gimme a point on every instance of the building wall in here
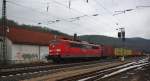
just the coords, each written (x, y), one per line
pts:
(44, 51)
(8, 55)
(28, 53)
(1, 51)
(9, 50)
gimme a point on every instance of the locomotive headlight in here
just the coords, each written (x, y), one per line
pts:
(58, 50)
(50, 50)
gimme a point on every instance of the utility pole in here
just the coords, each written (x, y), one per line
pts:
(4, 32)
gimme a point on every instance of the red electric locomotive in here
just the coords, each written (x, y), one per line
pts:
(60, 50)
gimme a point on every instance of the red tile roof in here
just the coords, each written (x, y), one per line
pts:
(25, 36)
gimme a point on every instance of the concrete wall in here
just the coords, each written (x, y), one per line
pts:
(9, 50)
(28, 53)
(8, 55)
(44, 51)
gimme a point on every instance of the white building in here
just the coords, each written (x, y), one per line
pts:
(26, 46)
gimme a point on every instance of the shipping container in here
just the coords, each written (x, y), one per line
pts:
(123, 52)
(136, 53)
(118, 51)
(128, 52)
(108, 51)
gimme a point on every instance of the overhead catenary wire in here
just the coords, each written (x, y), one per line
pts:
(33, 10)
(54, 21)
(113, 16)
(107, 10)
(118, 20)
(97, 14)
(38, 12)
(58, 20)
(29, 8)
(77, 11)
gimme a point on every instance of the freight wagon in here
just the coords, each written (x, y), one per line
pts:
(119, 52)
(136, 53)
(123, 52)
(107, 51)
(128, 52)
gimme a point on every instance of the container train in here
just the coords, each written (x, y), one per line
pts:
(60, 50)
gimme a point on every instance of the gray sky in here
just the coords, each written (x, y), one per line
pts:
(135, 22)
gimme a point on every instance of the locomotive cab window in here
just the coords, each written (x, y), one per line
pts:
(95, 47)
(85, 46)
(75, 45)
(54, 42)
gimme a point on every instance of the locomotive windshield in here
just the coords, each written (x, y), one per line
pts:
(75, 45)
(54, 42)
(95, 47)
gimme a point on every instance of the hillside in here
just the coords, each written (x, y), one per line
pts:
(133, 43)
(11, 23)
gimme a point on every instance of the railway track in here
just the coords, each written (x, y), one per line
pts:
(16, 74)
(9, 66)
(73, 71)
(5, 72)
(99, 75)
(28, 74)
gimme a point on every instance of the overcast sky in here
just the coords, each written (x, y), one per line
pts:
(80, 17)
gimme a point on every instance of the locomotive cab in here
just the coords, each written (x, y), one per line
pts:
(56, 49)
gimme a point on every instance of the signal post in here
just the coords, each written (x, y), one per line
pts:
(121, 35)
